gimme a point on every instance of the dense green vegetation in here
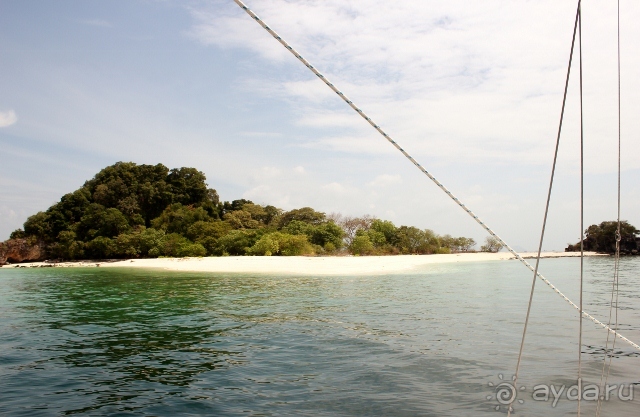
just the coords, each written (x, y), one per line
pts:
(129, 211)
(602, 238)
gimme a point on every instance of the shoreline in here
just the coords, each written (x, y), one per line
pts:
(300, 265)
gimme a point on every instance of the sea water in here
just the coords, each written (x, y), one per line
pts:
(438, 341)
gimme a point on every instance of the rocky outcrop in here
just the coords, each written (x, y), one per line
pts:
(21, 250)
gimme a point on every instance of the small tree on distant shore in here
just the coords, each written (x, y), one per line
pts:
(602, 238)
(492, 244)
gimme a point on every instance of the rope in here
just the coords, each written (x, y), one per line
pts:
(616, 269)
(424, 171)
(581, 213)
(546, 212)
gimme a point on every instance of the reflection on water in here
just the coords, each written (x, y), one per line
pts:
(131, 342)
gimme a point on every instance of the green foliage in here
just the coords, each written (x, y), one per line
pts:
(465, 244)
(236, 242)
(602, 238)
(272, 215)
(188, 186)
(208, 233)
(384, 228)
(17, 234)
(191, 249)
(177, 218)
(320, 234)
(202, 229)
(234, 205)
(100, 248)
(298, 227)
(267, 245)
(127, 245)
(100, 221)
(411, 240)
(284, 244)
(375, 237)
(128, 210)
(64, 214)
(293, 245)
(38, 225)
(492, 244)
(67, 247)
(327, 233)
(171, 244)
(304, 214)
(241, 219)
(150, 241)
(361, 245)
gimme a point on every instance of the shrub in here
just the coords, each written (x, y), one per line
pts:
(284, 244)
(266, 246)
(361, 245)
(191, 249)
(101, 248)
(236, 242)
(151, 239)
(293, 245)
(67, 247)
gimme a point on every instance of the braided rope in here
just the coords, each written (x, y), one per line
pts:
(424, 171)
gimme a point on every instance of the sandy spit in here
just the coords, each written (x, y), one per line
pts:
(299, 265)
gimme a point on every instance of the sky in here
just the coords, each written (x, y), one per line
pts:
(473, 90)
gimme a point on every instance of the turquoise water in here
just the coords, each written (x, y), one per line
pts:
(140, 342)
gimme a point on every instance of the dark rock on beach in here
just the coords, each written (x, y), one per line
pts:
(21, 250)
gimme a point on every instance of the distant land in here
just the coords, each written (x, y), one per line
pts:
(129, 211)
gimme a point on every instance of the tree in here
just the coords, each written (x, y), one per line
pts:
(304, 214)
(328, 235)
(38, 225)
(234, 205)
(241, 219)
(492, 244)
(411, 240)
(602, 238)
(384, 227)
(188, 186)
(236, 242)
(100, 221)
(351, 225)
(465, 244)
(101, 248)
(361, 245)
(177, 218)
(267, 245)
(67, 247)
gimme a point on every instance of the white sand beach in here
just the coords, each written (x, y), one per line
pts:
(300, 265)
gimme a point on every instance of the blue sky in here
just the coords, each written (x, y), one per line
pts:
(471, 89)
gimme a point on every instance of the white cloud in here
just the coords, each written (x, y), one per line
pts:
(7, 118)
(385, 180)
(268, 173)
(365, 144)
(335, 187)
(441, 77)
(299, 169)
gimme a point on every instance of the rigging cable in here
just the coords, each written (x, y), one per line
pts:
(581, 217)
(546, 212)
(424, 171)
(616, 268)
